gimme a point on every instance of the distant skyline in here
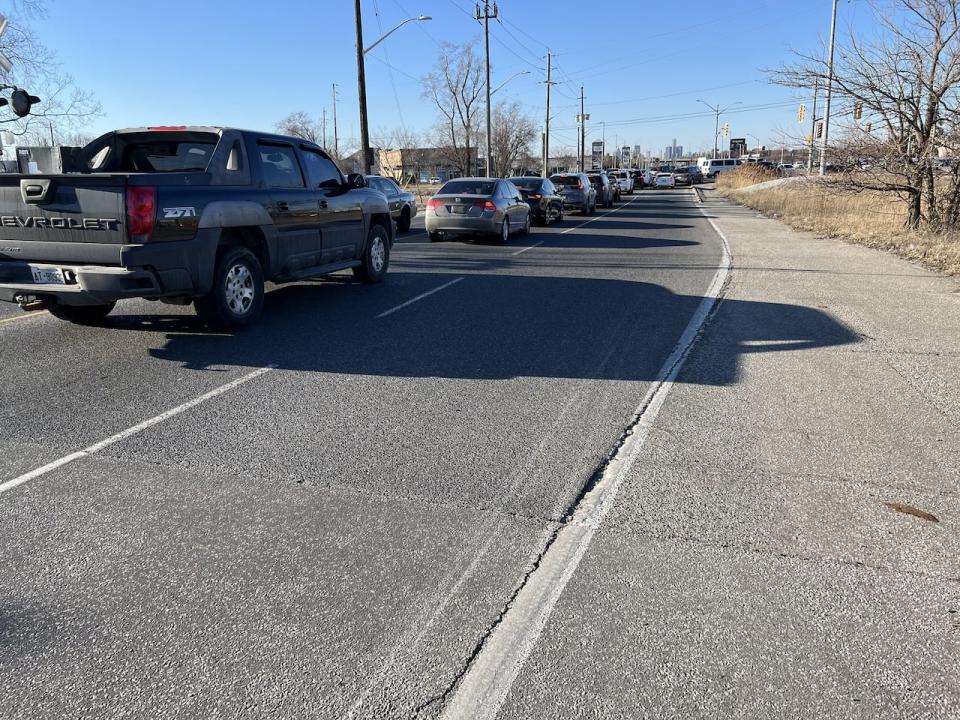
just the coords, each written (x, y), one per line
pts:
(249, 65)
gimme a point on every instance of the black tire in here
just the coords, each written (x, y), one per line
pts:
(593, 209)
(504, 235)
(560, 214)
(435, 236)
(546, 219)
(235, 300)
(403, 223)
(376, 256)
(525, 230)
(82, 314)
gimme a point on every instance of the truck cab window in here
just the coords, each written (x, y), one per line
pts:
(280, 166)
(321, 172)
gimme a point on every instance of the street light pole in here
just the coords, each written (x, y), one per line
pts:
(546, 125)
(366, 160)
(362, 90)
(826, 109)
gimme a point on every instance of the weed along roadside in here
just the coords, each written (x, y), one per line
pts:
(827, 206)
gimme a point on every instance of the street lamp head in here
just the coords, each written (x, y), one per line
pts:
(424, 17)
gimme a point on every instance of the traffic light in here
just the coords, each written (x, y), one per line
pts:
(869, 127)
(726, 129)
(809, 138)
(857, 110)
(801, 112)
(819, 129)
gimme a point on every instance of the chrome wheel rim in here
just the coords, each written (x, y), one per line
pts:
(378, 254)
(238, 289)
(505, 231)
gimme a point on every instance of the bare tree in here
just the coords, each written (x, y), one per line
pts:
(513, 133)
(897, 102)
(63, 106)
(299, 124)
(455, 85)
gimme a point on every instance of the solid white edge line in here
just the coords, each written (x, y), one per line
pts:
(419, 297)
(122, 435)
(523, 250)
(484, 687)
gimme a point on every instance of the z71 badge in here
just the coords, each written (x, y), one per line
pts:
(179, 212)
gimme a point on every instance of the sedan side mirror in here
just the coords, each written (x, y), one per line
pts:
(355, 181)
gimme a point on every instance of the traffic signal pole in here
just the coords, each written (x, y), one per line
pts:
(826, 110)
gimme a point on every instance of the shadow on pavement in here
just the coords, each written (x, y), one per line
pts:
(493, 327)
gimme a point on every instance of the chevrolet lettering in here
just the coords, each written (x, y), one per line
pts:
(59, 223)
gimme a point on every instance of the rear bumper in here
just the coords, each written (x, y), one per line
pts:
(90, 284)
(152, 270)
(452, 224)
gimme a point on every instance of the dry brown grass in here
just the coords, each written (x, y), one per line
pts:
(745, 176)
(866, 218)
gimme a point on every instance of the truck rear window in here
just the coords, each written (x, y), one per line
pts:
(161, 156)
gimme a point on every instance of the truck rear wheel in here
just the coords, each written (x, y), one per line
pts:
(81, 314)
(376, 258)
(235, 299)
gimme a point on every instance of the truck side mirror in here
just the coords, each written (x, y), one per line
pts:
(356, 180)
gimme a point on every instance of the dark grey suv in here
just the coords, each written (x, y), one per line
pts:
(577, 191)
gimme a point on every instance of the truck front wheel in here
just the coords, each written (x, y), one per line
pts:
(376, 258)
(81, 314)
(236, 298)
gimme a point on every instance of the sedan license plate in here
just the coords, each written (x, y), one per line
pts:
(459, 209)
(47, 275)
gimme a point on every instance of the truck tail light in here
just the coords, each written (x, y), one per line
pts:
(141, 211)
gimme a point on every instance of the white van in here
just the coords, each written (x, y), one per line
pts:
(710, 167)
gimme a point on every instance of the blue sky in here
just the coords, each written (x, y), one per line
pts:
(643, 64)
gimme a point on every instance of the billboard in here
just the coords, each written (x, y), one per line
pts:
(596, 158)
(738, 147)
(625, 155)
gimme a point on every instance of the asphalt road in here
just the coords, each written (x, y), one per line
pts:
(333, 536)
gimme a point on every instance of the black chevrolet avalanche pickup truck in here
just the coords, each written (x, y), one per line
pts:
(186, 214)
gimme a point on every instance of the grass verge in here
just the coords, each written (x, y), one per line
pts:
(865, 218)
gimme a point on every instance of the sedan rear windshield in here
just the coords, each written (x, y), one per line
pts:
(565, 180)
(468, 187)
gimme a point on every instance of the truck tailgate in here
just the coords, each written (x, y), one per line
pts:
(62, 218)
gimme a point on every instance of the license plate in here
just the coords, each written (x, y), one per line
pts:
(47, 275)
(459, 209)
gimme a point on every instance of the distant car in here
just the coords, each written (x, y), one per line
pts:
(615, 186)
(638, 179)
(604, 188)
(434, 180)
(682, 177)
(546, 204)
(577, 191)
(696, 176)
(623, 178)
(477, 206)
(402, 204)
(664, 180)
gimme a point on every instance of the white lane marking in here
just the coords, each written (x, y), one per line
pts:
(124, 434)
(25, 316)
(520, 252)
(419, 297)
(597, 217)
(481, 692)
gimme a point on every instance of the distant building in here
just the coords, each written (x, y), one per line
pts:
(419, 164)
(673, 152)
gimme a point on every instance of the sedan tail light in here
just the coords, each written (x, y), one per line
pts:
(434, 203)
(485, 204)
(537, 196)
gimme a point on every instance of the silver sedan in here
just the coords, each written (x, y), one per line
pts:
(477, 206)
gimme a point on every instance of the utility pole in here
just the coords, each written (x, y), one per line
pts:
(486, 17)
(336, 150)
(826, 110)
(323, 124)
(813, 124)
(546, 125)
(362, 88)
(583, 131)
